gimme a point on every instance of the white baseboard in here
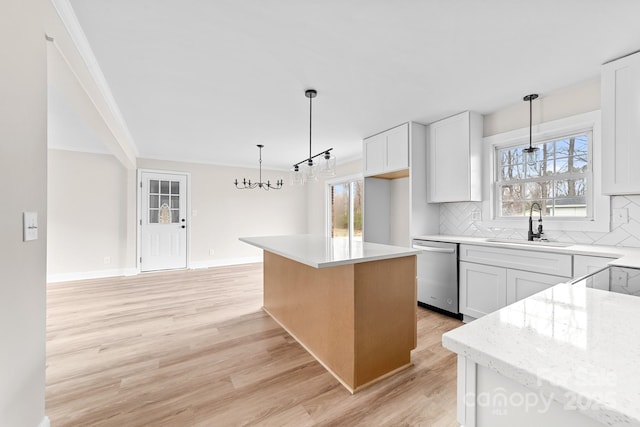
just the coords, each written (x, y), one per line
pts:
(224, 262)
(117, 272)
(97, 274)
(45, 422)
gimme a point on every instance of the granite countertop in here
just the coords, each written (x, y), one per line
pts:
(622, 256)
(322, 252)
(568, 342)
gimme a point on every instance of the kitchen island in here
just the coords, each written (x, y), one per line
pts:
(568, 356)
(352, 306)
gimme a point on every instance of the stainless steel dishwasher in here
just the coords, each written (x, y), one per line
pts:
(438, 275)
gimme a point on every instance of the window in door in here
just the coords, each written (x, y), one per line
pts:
(345, 210)
(164, 201)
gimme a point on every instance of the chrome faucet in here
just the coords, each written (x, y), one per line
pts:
(531, 235)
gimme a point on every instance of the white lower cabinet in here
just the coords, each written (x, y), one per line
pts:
(583, 264)
(490, 399)
(488, 280)
(483, 288)
(523, 284)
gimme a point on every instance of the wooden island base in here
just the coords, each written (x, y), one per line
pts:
(358, 320)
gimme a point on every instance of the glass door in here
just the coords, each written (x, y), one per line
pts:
(345, 210)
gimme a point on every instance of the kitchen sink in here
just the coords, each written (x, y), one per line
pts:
(532, 243)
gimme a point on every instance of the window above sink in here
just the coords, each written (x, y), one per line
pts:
(565, 178)
(559, 179)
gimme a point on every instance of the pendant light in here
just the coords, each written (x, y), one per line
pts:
(530, 153)
(325, 167)
(246, 184)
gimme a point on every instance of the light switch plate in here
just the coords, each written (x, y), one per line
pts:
(30, 226)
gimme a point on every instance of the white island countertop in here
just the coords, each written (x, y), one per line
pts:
(578, 345)
(322, 252)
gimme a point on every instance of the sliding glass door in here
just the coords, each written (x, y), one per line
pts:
(345, 210)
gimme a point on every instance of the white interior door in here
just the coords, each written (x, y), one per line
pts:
(163, 221)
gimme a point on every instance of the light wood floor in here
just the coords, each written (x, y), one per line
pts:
(193, 348)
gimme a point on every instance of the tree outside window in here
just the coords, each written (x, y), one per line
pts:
(346, 210)
(558, 179)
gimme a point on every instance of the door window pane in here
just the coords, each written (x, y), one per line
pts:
(154, 186)
(164, 201)
(153, 201)
(164, 216)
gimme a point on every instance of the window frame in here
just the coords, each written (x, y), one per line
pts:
(588, 175)
(599, 221)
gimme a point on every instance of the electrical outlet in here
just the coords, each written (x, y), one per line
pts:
(107, 260)
(211, 252)
(476, 215)
(621, 216)
(620, 278)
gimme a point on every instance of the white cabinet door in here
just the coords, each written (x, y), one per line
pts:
(397, 148)
(387, 151)
(518, 259)
(523, 284)
(583, 264)
(375, 149)
(454, 158)
(482, 289)
(620, 126)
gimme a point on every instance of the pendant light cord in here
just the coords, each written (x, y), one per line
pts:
(530, 119)
(260, 161)
(530, 98)
(310, 161)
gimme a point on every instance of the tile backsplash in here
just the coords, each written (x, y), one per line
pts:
(458, 219)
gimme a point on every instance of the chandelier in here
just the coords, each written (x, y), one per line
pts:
(326, 166)
(248, 185)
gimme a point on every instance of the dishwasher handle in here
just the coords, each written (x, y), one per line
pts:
(434, 249)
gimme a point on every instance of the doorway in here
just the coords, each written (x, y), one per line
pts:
(344, 209)
(162, 220)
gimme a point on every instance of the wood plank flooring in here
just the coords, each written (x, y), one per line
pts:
(194, 348)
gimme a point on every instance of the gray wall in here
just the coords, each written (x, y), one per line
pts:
(87, 213)
(23, 168)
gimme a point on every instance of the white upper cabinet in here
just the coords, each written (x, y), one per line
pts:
(454, 159)
(621, 126)
(375, 149)
(387, 151)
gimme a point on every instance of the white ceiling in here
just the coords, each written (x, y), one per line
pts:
(207, 80)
